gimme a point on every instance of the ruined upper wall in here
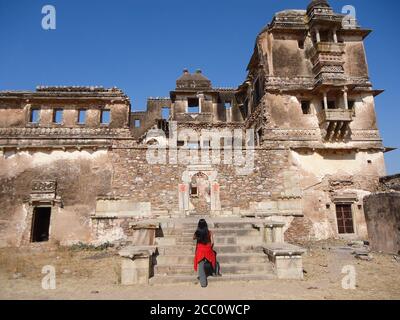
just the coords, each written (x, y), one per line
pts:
(37, 109)
(193, 102)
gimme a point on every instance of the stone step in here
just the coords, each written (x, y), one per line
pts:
(220, 225)
(189, 239)
(190, 249)
(227, 231)
(220, 240)
(160, 280)
(190, 231)
(222, 259)
(242, 268)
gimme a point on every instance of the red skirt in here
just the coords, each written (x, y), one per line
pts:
(204, 251)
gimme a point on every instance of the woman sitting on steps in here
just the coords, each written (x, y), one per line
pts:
(205, 261)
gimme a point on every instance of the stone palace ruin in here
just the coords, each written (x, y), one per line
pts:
(75, 164)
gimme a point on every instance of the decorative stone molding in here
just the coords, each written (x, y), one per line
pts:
(44, 193)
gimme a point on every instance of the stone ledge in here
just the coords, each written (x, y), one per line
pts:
(283, 249)
(132, 252)
(287, 260)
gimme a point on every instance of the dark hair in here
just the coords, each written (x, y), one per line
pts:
(202, 233)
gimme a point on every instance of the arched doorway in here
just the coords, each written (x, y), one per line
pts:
(200, 193)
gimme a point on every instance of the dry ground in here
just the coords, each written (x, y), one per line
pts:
(93, 274)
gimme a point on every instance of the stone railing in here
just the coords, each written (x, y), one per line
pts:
(330, 47)
(337, 115)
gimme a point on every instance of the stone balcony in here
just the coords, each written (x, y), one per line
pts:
(328, 62)
(337, 115)
(330, 47)
(327, 48)
(335, 123)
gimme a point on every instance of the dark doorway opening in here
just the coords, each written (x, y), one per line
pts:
(41, 224)
(344, 217)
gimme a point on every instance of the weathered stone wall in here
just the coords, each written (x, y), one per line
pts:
(135, 178)
(382, 212)
(16, 114)
(81, 176)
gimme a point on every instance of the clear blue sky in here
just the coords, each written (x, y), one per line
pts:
(142, 46)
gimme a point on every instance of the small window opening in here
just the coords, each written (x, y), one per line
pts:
(180, 143)
(82, 116)
(137, 123)
(206, 144)
(344, 218)
(165, 112)
(300, 44)
(193, 145)
(305, 107)
(325, 36)
(228, 105)
(34, 116)
(105, 117)
(58, 116)
(193, 105)
(40, 224)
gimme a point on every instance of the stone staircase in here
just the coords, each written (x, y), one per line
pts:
(237, 243)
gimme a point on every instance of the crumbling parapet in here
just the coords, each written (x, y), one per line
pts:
(136, 266)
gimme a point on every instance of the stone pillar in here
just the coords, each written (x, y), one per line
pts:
(183, 189)
(215, 199)
(268, 234)
(201, 99)
(318, 36)
(263, 234)
(345, 99)
(136, 264)
(277, 234)
(335, 38)
(325, 100)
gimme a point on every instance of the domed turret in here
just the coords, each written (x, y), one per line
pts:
(319, 4)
